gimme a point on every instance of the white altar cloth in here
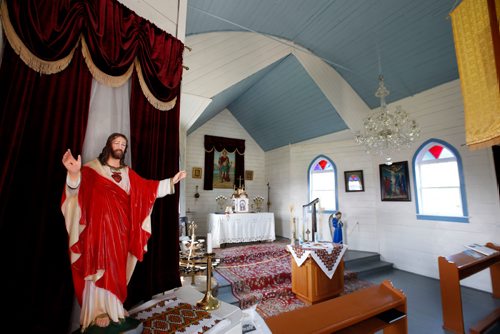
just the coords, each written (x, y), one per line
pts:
(241, 227)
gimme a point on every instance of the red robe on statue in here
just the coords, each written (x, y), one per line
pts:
(105, 226)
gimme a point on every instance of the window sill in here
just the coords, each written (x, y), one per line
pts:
(444, 218)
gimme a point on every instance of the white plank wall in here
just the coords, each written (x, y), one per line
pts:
(222, 125)
(390, 228)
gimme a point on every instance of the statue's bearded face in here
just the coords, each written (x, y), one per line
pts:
(118, 146)
(117, 154)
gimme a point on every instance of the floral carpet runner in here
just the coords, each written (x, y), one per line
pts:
(172, 315)
(261, 275)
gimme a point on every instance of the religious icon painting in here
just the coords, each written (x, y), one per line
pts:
(395, 182)
(224, 166)
(196, 173)
(249, 175)
(241, 205)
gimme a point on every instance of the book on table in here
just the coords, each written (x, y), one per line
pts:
(482, 249)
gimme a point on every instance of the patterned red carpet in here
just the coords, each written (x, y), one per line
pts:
(261, 274)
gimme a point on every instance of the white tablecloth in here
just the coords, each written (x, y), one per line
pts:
(241, 227)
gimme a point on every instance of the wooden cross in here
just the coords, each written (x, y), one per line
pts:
(240, 181)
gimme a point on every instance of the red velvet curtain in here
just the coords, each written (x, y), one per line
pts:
(154, 137)
(43, 115)
(40, 117)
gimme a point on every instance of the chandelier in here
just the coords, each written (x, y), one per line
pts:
(387, 130)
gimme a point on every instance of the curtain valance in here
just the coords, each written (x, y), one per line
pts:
(220, 143)
(114, 41)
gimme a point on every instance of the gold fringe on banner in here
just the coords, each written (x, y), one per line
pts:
(105, 79)
(474, 46)
(32, 61)
(160, 105)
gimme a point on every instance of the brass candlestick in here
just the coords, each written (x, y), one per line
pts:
(209, 302)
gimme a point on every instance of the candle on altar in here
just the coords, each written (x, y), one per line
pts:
(209, 242)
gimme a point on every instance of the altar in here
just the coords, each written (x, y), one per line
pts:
(241, 227)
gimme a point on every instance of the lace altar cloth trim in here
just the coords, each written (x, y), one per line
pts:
(326, 254)
(172, 315)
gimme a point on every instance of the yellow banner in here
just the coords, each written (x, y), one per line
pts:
(474, 32)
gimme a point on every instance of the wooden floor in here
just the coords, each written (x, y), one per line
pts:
(424, 302)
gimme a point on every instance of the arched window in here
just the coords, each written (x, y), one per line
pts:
(439, 182)
(323, 183)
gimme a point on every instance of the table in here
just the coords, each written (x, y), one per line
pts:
(241, 227)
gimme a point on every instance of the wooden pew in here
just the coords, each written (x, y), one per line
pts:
(456, 267)
(357, 312)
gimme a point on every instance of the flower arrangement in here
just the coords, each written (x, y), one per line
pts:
(258, 200)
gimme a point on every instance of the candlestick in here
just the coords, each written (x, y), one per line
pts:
(209, 242)
(209, 302)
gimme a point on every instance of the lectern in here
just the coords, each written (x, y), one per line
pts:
(459, 266)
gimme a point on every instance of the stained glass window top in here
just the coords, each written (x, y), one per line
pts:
(323, 165)
(436, 152)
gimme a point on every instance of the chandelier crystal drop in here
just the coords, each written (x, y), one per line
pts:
(387, 130)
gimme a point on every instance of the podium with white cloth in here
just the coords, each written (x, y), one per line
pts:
(317, 270)
(241, 227)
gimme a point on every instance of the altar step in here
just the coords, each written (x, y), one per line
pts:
(361, 262)
(365, 263)
(224, 291)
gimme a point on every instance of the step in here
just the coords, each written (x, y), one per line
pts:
(365, 268)
(355, 256)
(363, 262)
(225, 292)
(228, 297)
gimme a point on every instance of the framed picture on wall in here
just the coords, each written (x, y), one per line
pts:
(196, 173)
(395, 182)
(354, 181)
(249, 175)
(224, 164)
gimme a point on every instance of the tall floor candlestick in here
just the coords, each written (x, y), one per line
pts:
(209, 302)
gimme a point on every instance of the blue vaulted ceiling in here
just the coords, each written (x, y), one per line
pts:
(410, 42)
(304, 101)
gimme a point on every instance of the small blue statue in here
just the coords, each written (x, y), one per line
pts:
(337, 227)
